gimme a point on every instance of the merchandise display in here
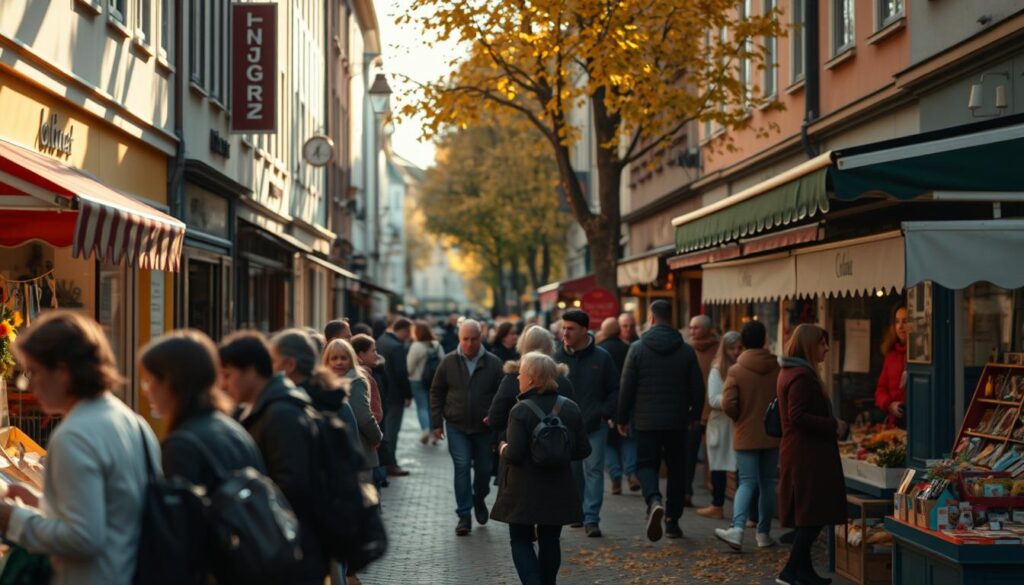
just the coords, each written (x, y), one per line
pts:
(992, 436)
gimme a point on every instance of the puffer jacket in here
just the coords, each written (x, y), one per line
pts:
(595, 382)
(750, 387)
(662, 385)
(462, 400)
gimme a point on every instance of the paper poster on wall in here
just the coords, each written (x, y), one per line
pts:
(156, 303)
(857, 336)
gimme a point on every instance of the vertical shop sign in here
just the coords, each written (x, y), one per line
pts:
(254, 67)
(156, 303)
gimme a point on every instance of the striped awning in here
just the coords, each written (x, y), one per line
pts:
(39, 197)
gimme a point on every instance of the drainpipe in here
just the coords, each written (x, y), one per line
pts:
(176, 186)
(812, 76)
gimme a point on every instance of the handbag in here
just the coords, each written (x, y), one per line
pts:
(773, 420)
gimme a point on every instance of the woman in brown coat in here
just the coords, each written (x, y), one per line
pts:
(812, 493)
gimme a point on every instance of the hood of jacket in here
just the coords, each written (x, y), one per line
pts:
(760, 361)
(794, 362)
(662, 339)
(703, 344)
(279, 387)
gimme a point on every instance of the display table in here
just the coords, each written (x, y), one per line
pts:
(924, 557)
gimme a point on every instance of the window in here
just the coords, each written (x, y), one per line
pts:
(770, 66)
(799, 37)
(888, 12)
(216, 58)
(197, 42)
(115, 8)
(744, 66)
(166, 29)
(144, 21)
(842, 26)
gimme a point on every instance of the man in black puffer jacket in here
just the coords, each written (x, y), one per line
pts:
(595, 383)
(663, 390)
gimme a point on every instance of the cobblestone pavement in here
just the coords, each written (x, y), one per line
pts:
(420, 514)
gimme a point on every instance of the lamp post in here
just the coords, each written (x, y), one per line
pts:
(379, 94)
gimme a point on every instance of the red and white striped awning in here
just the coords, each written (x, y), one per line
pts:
(44, 199)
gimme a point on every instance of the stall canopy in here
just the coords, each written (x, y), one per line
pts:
(548, 294)
(851, 267)
(957, 254)
(332, 267)
(45, 199)
(764, 279)
(641, 269)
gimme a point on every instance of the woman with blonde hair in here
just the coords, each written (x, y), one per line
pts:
(340, 358)
(721, 456)
(812, 492)
(537, 500)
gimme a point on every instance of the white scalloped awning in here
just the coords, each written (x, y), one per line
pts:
(761, 279)
(957, 254)
(851, 267)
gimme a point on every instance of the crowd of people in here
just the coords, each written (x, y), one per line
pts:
(543, 414)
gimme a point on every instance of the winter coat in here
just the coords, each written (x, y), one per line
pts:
(505, 354)
(460, 399)
(281, 428)
(450, 338)
(228, 444)
(706, 348)
(812, 491)
(416, 361)
(750, 386)
(595, 382)
(508, 393)
(721, 455)
(662, 384)
(370, 434)
(375, 399)
(890, 383)
(395, 353)
(617, 349)
(528, 494)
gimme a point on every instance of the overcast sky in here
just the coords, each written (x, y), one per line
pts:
(405, 53)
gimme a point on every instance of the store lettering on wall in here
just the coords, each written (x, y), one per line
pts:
(746, 278)
(254, 67)
(844, 264)
(52, 137)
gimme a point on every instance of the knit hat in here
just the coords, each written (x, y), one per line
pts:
(577, 316)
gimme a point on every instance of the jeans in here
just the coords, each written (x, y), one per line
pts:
(758, 470)
(693, 439)
(591, 482)
(469, 450)
(718, 481)
(392, 425)
(620, 458)
(540, 566)
(651, 448)
(421, 394)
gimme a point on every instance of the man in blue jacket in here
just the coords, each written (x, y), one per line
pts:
(595, 382)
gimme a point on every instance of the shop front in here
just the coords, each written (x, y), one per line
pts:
(579, 293)
(645, 278)
(83, 227)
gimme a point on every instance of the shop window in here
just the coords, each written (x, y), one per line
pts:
(206, 211)
(993, 323)
(114, 310)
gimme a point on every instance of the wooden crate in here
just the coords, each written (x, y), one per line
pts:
(860, 564)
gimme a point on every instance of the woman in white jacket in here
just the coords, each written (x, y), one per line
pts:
(721, 456)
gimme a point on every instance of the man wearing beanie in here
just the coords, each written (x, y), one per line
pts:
(595, 382)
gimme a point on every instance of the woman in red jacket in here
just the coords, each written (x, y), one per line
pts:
(891, 392)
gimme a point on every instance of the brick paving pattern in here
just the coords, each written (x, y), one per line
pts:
(420, 514)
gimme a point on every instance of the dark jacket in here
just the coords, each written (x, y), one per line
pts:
(662, 387)
(508, 393)
(595, 381)
(450, 338)
(812, 491)
(282, 430)
(617, 349)
(222, 439)
(528, 494)
(395, 353)
(505, 354)
(460, 399)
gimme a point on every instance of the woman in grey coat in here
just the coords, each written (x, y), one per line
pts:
(341, 358)
(537, 500)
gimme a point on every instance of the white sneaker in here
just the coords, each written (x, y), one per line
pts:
(765, 540)
(731, 536)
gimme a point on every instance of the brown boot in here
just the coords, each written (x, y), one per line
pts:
(634, 483)
(713, 512)
(617, 486)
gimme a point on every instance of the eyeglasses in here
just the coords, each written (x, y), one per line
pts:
(23, 380)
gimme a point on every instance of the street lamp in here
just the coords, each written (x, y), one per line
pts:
(379, 94)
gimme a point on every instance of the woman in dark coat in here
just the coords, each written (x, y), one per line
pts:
(812, 492)
(537, 501)
(198, 430)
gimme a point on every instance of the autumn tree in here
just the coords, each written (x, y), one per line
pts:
(493, 194)
(641, 70)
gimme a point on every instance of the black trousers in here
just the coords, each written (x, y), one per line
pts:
(536, 566)
(653, 447)
(693, 440)
(718, 481)
(799, 564)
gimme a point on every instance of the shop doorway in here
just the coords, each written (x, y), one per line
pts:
(208, 298)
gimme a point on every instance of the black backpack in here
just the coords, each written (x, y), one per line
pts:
(430, 367)
(253, 529)
(348, 516)
(172, 543)
(551, 445)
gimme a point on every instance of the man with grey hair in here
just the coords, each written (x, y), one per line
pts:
(705, 343)
(464, 386)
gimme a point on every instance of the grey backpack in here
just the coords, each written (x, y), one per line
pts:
(551, 445)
